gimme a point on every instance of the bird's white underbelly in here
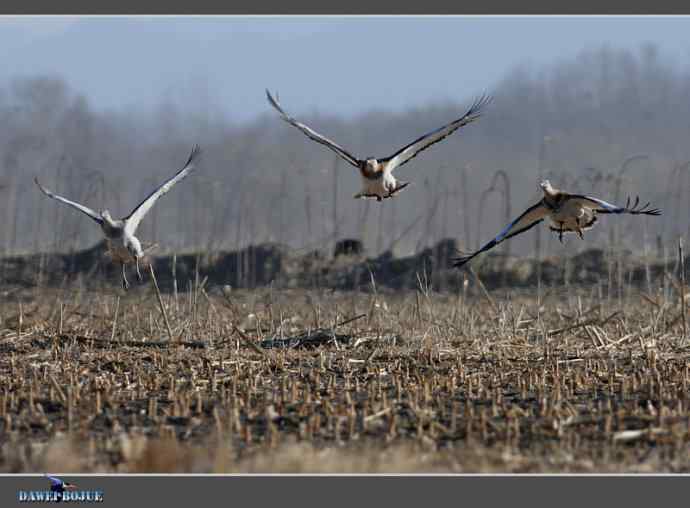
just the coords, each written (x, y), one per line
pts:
(378, 187)
(373, 187)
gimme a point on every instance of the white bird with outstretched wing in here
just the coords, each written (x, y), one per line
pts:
(377, 173)
(123, 245)
(84, 209)
(133, 219)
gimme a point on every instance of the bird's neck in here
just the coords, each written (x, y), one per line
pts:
(371, 170)
(107, 219)
(552, 198)
(111, 228)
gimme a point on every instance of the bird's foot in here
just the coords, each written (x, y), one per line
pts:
(579, 228)
(140, 277)
(398, 189)
(560, 232)
(125, 284)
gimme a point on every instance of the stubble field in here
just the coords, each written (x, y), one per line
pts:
(270, 380)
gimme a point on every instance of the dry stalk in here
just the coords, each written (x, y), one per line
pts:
(681, 262)
(160, 303)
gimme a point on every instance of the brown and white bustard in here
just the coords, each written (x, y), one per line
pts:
(377, 173)
(568, 213)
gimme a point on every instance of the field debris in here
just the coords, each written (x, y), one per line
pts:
(311, 380)
(313, 338)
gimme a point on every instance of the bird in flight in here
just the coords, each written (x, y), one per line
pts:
(377, 173)
(569, 213)
(119, 234)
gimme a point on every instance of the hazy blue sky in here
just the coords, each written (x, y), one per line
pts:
(340, 65)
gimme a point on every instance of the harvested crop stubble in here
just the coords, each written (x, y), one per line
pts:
(318, 381)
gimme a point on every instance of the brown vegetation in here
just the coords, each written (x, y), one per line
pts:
(309, 380)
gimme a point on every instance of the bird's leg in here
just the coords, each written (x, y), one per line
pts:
(378, 198)
(125, 284)
(579, 229)
(560, 233)
(397, 189)
(139, 276)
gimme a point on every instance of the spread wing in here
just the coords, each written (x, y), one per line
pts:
(410, 151)
(601, 206)
(530, 218)
(83, 209)
(134, 218)
(312, 134)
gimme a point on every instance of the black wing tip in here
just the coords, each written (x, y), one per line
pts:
(462, 260)
(459, 263)
(40, 186)
(195, 155)
(484, 99)
(477, 107)
(273, 101)
(635, 209)
(481, 102)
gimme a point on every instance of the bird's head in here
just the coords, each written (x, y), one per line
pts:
(371, 163)
(546, 187)
(105, 214)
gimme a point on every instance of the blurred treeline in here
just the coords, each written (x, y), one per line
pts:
(610, 122)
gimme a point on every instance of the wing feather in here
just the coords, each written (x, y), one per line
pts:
(601, 206)
(410, 151)
(312, 134)
(132, 221)
(83, 209)
(530, 218)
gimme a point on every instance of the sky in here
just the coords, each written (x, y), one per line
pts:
(331, 65)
